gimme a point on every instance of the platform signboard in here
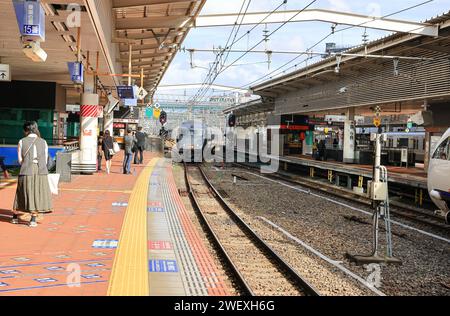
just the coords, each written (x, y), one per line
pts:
(30, 17)
(76, 72)
(5, 72)
(141, 94)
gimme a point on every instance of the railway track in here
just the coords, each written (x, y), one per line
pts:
(397, 208)
(257, 268)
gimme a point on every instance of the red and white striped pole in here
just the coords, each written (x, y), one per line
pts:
(90, 112)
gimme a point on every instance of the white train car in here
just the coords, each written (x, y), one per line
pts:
(195, 139)
(439, 176)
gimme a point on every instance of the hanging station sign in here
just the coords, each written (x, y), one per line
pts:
(30, 17)
(76, 72)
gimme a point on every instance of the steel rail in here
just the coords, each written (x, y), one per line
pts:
(301, 284)
(243, 286)
(418, 216)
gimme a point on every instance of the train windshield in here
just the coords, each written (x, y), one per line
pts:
(443, 150)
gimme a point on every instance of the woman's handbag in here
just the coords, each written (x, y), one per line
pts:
(116, 147)
(51, 164)
(111, 152)
(53, 181)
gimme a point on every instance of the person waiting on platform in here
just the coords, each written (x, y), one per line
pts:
(129, 144)
(99, 151)
(33, 193)
(322, 150)
(140, 146)
(335, 143)
(314, 148)
(108, 150)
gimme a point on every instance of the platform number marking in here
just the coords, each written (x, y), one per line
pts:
(165, 266)
(95, 265)
(120, 204)
(22, 259)
(156, 210)
(55, 269)
(91, 276)
(46, 280)
(105, 244)
(160, 245)
(9, 272)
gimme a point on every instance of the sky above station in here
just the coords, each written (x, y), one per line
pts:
(292, 37)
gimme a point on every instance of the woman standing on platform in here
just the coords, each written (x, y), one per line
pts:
(33, 193)
(108, 150)
(99, 151)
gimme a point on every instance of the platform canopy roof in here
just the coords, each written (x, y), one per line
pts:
(155, 29)
(399, 44)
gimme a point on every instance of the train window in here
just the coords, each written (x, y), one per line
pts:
(443, 151)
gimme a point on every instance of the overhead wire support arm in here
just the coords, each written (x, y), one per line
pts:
(337, 18)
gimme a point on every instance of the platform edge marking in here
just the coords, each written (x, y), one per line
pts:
(129, 275)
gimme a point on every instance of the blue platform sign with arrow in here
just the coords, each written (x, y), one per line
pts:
(5, 72)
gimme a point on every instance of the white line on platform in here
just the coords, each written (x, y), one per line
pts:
(351, 207)
(323, 257)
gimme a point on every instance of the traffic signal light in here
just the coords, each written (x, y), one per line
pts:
(232, 120)
(163, 118)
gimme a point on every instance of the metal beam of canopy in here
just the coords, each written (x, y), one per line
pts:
(118, 4)
(196, 86)
(320, 15)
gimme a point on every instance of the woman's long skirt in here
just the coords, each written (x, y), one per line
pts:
(33, 193)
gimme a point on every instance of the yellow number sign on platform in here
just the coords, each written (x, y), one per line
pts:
(377, 121)
(156, 113)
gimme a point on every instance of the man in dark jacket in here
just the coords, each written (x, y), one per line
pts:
(129, 141)
(140, 146)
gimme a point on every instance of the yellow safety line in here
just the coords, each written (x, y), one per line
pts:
(129, 275)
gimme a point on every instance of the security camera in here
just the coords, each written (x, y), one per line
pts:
(34, 51)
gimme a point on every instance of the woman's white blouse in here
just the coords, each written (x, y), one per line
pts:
(19, 151)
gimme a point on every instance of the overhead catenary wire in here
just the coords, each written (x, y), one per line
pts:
(334, 31)
(219, 55)
(201, 92)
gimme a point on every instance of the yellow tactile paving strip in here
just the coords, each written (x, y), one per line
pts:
(129, 275)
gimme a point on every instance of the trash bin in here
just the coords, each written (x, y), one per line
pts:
(64, 166)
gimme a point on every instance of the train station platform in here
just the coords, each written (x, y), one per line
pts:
(112, 235)
(412, 177)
